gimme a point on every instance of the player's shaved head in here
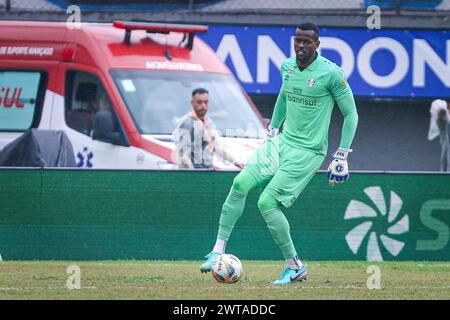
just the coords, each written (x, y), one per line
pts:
(309, 26)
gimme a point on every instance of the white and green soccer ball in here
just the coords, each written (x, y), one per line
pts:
(227, 268)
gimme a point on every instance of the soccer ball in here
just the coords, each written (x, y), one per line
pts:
(227, 268)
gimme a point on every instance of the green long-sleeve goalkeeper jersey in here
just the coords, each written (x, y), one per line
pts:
(306, 100)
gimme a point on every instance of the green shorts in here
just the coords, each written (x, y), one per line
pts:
(284, 169)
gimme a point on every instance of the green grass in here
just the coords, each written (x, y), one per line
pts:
(182, 280)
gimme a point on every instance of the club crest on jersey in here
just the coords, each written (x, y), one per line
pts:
(311, 82)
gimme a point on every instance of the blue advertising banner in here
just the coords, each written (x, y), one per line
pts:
(378, 63)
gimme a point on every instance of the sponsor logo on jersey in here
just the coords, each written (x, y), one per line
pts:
(303, 101)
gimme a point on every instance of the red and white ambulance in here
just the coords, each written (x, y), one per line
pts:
(56, 77)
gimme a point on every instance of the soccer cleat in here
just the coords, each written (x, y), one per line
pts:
(288, 276)
(207, 265)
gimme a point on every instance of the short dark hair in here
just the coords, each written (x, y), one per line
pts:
(309, 26)
(199, 90)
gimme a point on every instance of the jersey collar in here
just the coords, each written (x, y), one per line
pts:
(314, 64)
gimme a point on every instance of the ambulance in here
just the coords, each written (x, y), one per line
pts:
(57, 76)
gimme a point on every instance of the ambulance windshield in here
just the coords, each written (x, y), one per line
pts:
(157, 100)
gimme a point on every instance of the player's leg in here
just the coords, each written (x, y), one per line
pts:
(233, 207)
(277, 224)
(279, 228)
(297, 168)
(231, 211)
(258, 171)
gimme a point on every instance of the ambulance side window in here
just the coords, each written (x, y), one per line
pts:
(84, 97)
(21, 98)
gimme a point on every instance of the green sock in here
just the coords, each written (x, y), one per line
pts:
(231, 211)
(280, 230)
(234, 204)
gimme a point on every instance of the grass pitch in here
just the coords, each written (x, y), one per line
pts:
(174, 280)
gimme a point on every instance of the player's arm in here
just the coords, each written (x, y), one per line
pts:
(279, 111)
(338, 169)
(347, 106)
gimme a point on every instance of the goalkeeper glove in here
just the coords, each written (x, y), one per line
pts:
(271, 132)
(338, 168)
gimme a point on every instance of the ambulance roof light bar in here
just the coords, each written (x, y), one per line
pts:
(165, 28)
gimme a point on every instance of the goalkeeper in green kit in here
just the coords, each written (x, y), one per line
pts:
(286, 162)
